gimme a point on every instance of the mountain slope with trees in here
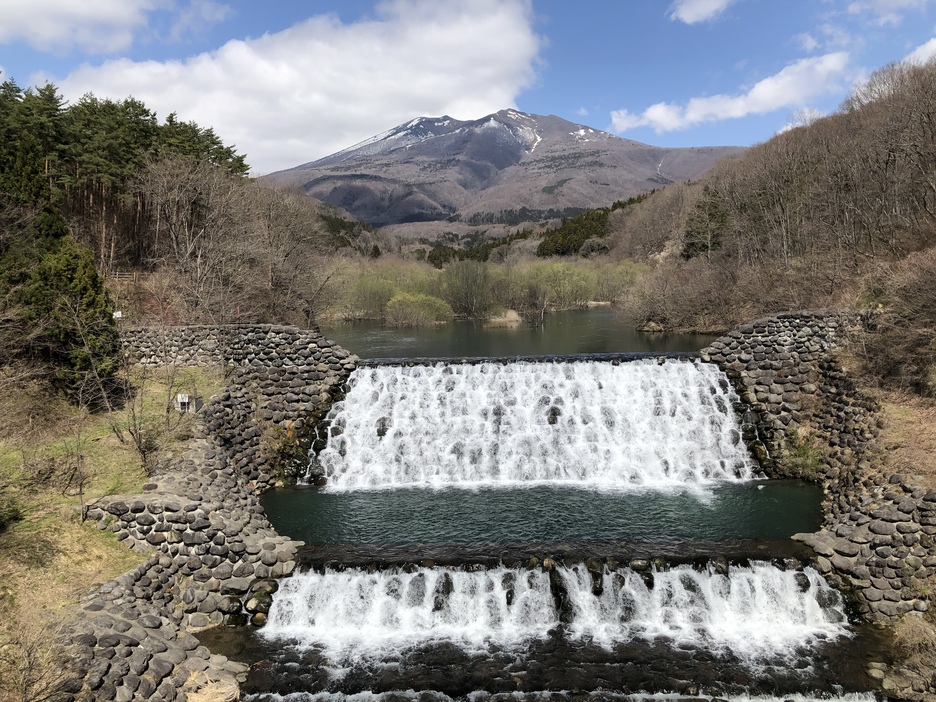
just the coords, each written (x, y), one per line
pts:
(100, 188)
(840, 211)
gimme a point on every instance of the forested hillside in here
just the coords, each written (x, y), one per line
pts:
(837, 212)
(101, 189)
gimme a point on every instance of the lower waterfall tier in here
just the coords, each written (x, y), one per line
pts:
(757, 614)
(474, 634)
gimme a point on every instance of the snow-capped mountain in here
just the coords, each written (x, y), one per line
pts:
(435, 168)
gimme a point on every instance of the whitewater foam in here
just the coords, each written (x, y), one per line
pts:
(644, 424)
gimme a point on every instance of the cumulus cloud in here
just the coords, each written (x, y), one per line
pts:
(322, 85)
(694, 11)
(922, 54)
(885, 11)
(794, 86)
(58, 26)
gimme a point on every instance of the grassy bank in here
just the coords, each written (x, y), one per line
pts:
(54, 457)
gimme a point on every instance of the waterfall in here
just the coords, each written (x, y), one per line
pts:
(650, 424)
(755, 613)
(355, 612)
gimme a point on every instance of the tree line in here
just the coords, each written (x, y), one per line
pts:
(409, 293)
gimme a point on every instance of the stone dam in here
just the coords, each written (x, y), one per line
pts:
(215, 559)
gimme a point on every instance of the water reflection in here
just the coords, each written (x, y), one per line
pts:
(596, 330)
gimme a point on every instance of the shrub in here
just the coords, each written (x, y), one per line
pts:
(369, 297)
(9, 509)
(416, 310)
(802, 457)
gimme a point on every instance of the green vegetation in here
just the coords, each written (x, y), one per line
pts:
(803, 457)
(523, 215)
(555, 187)
(416, 310)
(572, 234)
(474, 289)
(344, 233)
(472, 247)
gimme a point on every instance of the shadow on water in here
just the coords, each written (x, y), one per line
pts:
(555, 663)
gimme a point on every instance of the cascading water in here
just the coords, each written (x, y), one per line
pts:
(357, 613)
(758, 613)
(649, 424)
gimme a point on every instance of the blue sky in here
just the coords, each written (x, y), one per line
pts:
(289, 81)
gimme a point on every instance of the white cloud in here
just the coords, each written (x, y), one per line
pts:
(886, 11)
(794, 86)
(199, 15)
(57, 26)
(694, 11)
(923, 54)
(321, 85)
(807, 41)
(828, 37)
(582, 112)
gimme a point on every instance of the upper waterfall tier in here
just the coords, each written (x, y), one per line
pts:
(650, 424)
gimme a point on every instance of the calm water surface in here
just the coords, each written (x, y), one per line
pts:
(596, 330)
(760, 509)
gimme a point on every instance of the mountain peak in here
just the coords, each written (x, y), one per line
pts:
(435, 168)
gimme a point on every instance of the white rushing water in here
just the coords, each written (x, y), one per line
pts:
(644, 424)
(756, 613)
(553, 696)
(353, 613)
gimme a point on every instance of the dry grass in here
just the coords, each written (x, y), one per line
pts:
(33, 666)
(49, 558)
(916, 638)
(200, 688)
(909, 434)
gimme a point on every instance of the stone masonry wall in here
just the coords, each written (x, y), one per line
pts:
(214, 557)
(879, 532)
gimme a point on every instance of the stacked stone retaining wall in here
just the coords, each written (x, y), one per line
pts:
(809, 420)
(213, 556)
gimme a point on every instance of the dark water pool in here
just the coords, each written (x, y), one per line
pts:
(597, 330)
(753, 510)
